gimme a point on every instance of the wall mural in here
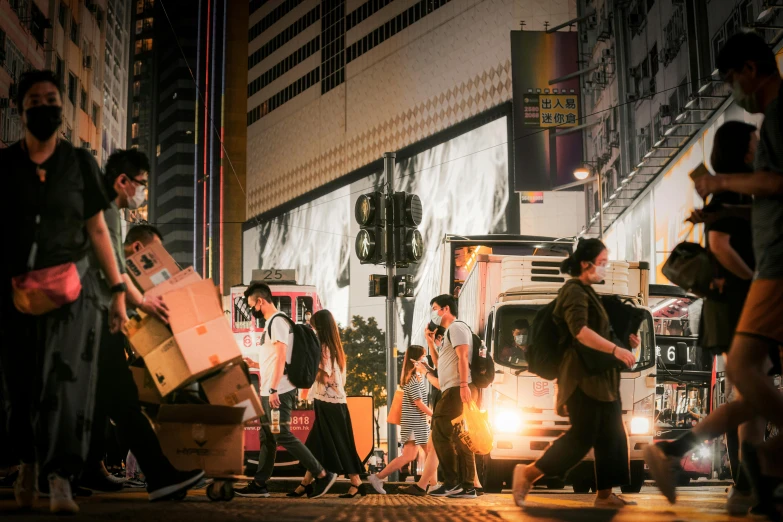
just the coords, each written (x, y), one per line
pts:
(464, 188)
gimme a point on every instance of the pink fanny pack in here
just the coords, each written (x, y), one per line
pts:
(41, 291)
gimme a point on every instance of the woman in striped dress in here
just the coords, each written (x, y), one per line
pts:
(414, 429)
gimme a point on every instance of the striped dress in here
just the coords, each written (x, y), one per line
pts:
(413, 426)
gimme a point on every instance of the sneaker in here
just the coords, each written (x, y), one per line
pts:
(135, 483)
(60, 497)
(101, 483)
(612, 501)
(180, 483)
(464, 493)
(253, 490)
(414, 490)
(479, 492)
(445, 491)
(738, 503)
(24, 486)
(76, 490)
(376, 483)
(520, 486)
(663, 469)
(323, 485)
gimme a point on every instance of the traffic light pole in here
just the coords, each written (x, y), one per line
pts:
(391, 349)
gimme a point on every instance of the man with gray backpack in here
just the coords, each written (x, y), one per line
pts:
(288, 359)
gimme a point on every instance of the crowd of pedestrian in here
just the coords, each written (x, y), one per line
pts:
(66, 299)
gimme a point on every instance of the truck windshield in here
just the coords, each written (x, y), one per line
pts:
(511, 337)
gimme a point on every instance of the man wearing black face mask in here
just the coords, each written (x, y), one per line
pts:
(49, 349)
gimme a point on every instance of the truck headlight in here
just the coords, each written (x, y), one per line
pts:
(640, 426)
(507, 421)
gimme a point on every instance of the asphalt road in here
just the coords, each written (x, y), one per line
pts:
(695, 503)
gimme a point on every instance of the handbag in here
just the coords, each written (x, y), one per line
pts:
(395, 412)
(690, 267)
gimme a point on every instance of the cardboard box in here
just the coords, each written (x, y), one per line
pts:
(148, 392)
(202, 437)
(151, 266)
(200, 340)
(180, 280)
(231, 388)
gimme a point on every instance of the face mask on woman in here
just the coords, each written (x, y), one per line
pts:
(599, 275)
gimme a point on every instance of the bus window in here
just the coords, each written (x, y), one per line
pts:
(303, 304)
(512, 334)
(243, 314)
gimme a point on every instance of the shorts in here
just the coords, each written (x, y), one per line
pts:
(761, 317)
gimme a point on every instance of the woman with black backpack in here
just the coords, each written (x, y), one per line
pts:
(588, 384)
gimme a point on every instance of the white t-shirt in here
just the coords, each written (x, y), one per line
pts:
(280, 331)
(457, 334)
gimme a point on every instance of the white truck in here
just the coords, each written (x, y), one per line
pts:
(502, 292)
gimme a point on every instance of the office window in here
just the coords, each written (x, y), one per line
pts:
(148, 24)
(654, 61)
(139, 6)
(59, 68)
(83, 104)
(62, 15)
(134, 130)
(136, 88)
(72, 88)
(95, 113)
(74, 31)
(139, 26)
(136, 109)
(143, 45)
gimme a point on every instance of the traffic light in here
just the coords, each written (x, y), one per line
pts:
(408, 242)
(370, 213)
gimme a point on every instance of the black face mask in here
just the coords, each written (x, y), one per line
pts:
(257, 313)
(44, 120)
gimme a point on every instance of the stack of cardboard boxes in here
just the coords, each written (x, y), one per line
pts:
(196, 346)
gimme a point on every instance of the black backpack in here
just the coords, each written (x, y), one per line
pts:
(482, 367)
(305, 355)
(546, 349)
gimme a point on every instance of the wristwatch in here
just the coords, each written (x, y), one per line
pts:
(119, 288)
(272, 391)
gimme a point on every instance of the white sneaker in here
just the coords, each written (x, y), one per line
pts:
(25, 489)
(60, 496)
(613, 501)
(377, 484)
(663, 469)
(738, 503)
(520, 486)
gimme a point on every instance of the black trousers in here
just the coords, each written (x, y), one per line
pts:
(456, 460)
(597, 425)
(117, 398)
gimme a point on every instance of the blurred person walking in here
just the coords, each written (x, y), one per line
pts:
(51, 319)
(748, 65)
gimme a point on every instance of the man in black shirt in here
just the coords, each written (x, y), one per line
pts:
(49, 360)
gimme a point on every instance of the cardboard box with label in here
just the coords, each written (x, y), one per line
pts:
(198, 340)
(232, 388)
(179, 280)
(151, 266)
(148, 392)
(202, 437)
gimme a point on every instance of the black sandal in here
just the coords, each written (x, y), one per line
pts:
(359, 491)
(308, 488)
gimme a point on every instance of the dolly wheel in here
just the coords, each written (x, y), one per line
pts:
(213, 492)
(227, 492)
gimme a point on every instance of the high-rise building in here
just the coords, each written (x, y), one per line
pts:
(69, 38)
(116, 61)
(184, 66)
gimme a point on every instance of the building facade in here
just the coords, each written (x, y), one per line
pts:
(69, 38)
(655, 102)
(334, 84)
